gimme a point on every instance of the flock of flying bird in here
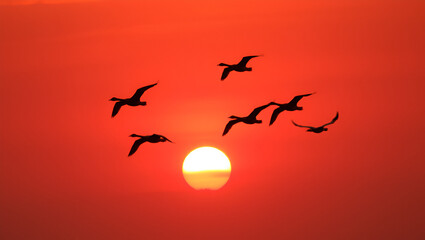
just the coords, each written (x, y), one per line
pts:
(250, 119)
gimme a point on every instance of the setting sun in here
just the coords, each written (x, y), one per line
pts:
(191, 119)
(206, 168)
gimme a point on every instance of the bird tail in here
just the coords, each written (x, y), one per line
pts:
(143, 103)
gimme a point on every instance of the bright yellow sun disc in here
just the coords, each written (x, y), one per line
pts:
(206, 168)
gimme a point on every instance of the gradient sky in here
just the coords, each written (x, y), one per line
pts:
(64, 170)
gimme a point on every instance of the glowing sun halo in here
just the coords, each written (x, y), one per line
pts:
(206, 168)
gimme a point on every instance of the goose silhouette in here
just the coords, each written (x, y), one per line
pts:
(250, 119)
(240, 67)
(291, 106)
(154, 138)
(133, 101)
(318, 129)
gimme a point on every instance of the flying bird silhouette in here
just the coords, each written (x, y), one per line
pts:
(250, 119)
(240, 67)
(318, 129)
(133, 101)
(154, 138)
(291, 106)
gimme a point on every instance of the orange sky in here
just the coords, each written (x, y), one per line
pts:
(64, 170)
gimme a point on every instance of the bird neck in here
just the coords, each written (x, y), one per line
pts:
(135, 135)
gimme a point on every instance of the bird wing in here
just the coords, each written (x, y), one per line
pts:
(141, 90)
(333, 120)
(296, 99)
(117, 107)
(257, 110)
(136, 145)
(301, 125)
(166, 139)
(226, 72)
(245, 60)
(276, 113)
(229, 125)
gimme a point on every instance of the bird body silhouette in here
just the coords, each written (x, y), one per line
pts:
(154, 138)
(318, 129)
(240, 67)
(250, 119)
(291, 106)
(133, 101)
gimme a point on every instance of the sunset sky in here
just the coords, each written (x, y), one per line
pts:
(64, 170)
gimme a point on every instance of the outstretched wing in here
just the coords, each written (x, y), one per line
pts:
(256, 111)
(229, 126)
(333, 120)
(245, 60)
(301, 125)
(166, 139)
(226, 72)
(154, 138)
(141, 90)
(276, 113)
(296, 99)
(117, 107)
(135, 146)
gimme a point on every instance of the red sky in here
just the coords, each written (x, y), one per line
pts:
(64, 170)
